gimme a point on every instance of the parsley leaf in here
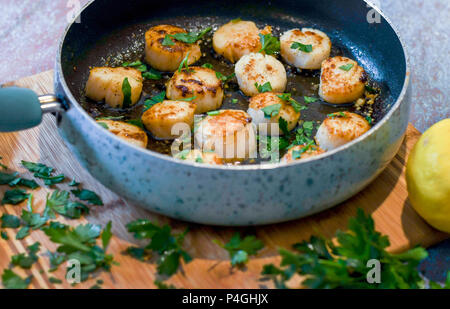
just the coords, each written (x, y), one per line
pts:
(88, 196)
(39, 169)
(347, 67)
(6, 178)
(302, 47)
(4, 235)
(163, 242)
(154, 100)
(270, 44)
(138, 65)
(271, 110)
(188, 99)
(267, 87)
(14, 197)
(106, 235)
(167, 41)
(287, 97)
(208, 66)
(184, 64)
(371, 90)
(24, 182)
(43, 172)
(310, 99)
(13, 281)
(23, 232)
(126, 90)
(240, 249)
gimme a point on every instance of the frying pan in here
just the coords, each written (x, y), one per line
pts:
(221, 195)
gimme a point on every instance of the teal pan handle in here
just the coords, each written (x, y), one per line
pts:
(22, 108)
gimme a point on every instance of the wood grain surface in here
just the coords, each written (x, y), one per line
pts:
(386, 199)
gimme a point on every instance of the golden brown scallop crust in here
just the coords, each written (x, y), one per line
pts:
(168, 58)
(346, 125)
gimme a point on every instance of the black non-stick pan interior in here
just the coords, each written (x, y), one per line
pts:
(112, 31)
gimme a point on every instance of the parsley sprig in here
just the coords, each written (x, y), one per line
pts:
(189, 38)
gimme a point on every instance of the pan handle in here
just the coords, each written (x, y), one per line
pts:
(22, 108)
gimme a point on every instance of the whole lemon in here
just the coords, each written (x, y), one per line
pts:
(428, 176)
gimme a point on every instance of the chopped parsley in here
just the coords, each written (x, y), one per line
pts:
(207, 65)
(26, 261)
(347, 67)
(343, 264)
(337, 115)
(74, 183)
(13, 281)
(88, 196)
(234, 101)
(371, 90)
(283, 124)
(10, 221)
(152, 74)
(369, 120)
(271, 110)
(6, 178)
(297, 154)
(240, 249)
(270, 44)
(287, 97)
(213, 113)
(23, 232)
(154, 100)
(126, 90)
(184, 65)
(43, 172)
(14, 197)
(80, 243)
(267, 87)
(302, 47)
(188, 99)
(310, 99)
(225, 78)
(138, 65)
(59, 202)
(4, 235)
(168, 246)
(189, 38)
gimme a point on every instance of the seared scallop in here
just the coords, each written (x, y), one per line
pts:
(108, 84)
(198, 156)
(201, 83)
(306, 48)
(268, 108)
(168, 57)
(238, 38)
(340, 128)
(342, 80)
(229, 133)
(169, 119)
(258, 69)
(126, 131)
(301, 152)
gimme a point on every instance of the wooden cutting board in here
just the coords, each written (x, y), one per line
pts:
(386, 199)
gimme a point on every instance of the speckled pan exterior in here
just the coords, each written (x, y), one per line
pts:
(238, 195)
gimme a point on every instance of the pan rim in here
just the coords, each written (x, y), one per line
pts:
(248, 167)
